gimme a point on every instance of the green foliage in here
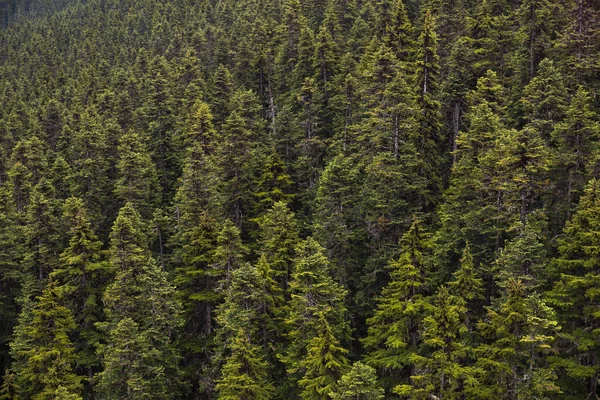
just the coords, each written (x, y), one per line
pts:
(141, 308)
(215, 137)
(359, 383)
(45, 349)
(574, 293)
(316, 319)
(393, 335)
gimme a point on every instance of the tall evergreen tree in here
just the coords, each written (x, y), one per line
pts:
(47, 354)
(574, 296)
(316, 307)
(393, 335)
(82, 275)
(141, 307)
(428, 136)
(136, 175)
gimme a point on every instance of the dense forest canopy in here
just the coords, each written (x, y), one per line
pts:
(299, 199)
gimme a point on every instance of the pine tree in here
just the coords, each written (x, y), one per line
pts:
(518, 335)
(244, 373)
(28, 163)
(47, 353)
(574, 296)
(537, 21)
(274, 184)
(141, 307)
(393, 335)
(428, 137)
(82, 275)
(12, 241)
(230, 251)
(575, 138)
(338, 224)
(324, 363)
(137, 181)
(544, 99)
(42, 231)
(91, 158)
(470, 211)
(441, 368)
(360, 383)
(316, 300)
(238, 142)
(278, 239)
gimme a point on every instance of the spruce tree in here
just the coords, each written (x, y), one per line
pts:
(359, 383)
(428, 136)
(141, 307)
(394, 329)
(324, 363)
(518, 334)
(136, 182)
(574, 296)
(244, 371)
(47, 354)
(82, 275)
(316, 306)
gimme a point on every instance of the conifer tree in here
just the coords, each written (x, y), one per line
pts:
(393, 335)
(273, 185)
(574, 296)
(338, 222)
(359, 383)
(441, 368)
(470, 210)
(137, 182)
(238, 141)
(544, 99)
(537, 22)
(47, 354)
(28, 163)
(324, 363)
(230, 251)
(244, 370)
(42, 231)
(12, 241)
(82, 275)
(575, 138)
(278, 239)
(428, 136)
(518, 333)
(316, 301)
(141, 307)
(91, 158)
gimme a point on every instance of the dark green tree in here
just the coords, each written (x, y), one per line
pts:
(574, 296)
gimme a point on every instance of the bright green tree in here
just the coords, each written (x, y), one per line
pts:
(141, 307)
(47, 354)
(316, 301)
(518, 334)
(82, 275)
(324, 363)
(359, 383)
(394, 329)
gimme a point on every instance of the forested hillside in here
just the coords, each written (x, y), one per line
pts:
(299, 199)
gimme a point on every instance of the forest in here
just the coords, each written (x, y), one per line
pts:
(299, 199)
